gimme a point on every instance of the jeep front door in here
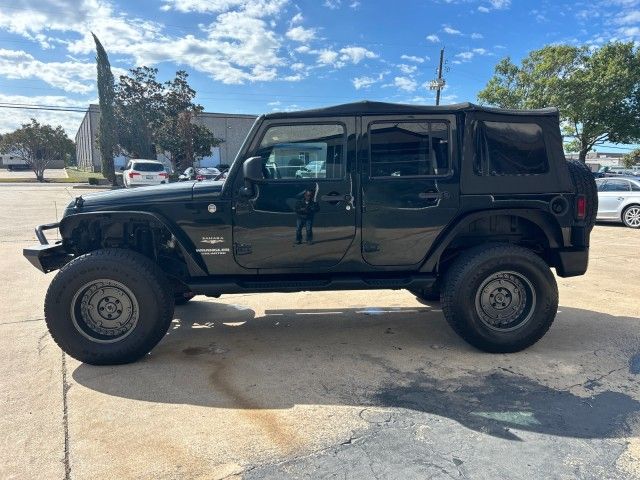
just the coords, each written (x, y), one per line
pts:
(301, 215)
(409, 186)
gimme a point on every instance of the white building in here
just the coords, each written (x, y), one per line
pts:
(231, 128)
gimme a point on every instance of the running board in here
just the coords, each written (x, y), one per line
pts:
(290, 283)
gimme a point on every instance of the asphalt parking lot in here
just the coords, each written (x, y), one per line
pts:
(323, 385)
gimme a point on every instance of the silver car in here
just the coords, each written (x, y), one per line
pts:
(619, 200)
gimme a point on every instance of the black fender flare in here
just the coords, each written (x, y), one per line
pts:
(195, 265)
(542, 219)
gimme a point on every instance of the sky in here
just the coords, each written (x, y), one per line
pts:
(258, 56)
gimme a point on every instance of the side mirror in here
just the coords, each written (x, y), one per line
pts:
(252, 171)
(122, 169)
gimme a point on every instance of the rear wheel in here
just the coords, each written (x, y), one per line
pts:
(631, 216)
(109, 307)
(500, 298)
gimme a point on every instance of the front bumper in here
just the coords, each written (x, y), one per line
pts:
(46, 257)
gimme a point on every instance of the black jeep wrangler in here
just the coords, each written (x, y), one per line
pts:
(469, 205)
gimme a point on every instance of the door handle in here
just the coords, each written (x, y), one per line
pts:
(430, 196)
(332, 198)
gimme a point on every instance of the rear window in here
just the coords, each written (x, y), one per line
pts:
(504, 148)
(148, 167)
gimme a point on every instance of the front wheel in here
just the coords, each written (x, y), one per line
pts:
(500, 298)
(631, 216)
(109, 307)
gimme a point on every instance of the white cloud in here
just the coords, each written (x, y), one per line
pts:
(500, 4)
(355, 54)
(363, 82)
(332, 4)
(412, 58)
(301, 34)
(477, 36)
(407, 69)
(72, 76)
(239, 45)
(483, 9)
(254, 8)
(297, 18)
(12, 119)
(327, 57)
(433, 38)
(355, 4)
(405, 83)
(297, 66)
(450, 30)
(271, 104)
(465, 55)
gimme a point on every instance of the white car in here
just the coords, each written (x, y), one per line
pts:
(619, 200)
(139, 172)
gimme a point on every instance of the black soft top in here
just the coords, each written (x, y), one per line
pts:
(381, 108)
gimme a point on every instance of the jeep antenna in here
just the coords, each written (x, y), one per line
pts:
(439, 83)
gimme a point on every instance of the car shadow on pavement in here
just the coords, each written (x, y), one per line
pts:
(223, 356)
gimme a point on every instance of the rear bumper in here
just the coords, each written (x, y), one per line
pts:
(45, 257)
(572, 262)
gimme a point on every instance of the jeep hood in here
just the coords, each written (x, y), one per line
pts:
(130, 198)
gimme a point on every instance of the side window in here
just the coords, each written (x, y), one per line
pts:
(408, 149)
(635, 187)
(601, 185)
(510, 149)
(303, 151)
(128, 167)
(616, 186)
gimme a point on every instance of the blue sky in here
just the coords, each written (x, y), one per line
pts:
(256, 56)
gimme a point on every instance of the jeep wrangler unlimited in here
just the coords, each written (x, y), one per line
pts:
(466, 204)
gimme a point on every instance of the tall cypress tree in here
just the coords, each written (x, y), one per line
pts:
(106, 134)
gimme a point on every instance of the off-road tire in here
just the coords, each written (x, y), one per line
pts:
(140, 276)
(585, 184)
(462, 285)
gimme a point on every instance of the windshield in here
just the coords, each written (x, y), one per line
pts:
(148, 167)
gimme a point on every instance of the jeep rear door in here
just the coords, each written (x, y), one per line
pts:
(298, 155)
(409, 186)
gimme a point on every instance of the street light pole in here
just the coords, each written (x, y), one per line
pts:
(439, 83)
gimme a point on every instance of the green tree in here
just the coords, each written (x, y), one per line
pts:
(178, 135)
(632, 158)
(106, 95)
(596, 90)
(138, 112)
(38, 145)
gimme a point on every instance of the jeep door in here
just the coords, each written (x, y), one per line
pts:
(409, 186)
(298, 155)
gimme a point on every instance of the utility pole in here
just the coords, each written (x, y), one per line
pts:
(439, 83)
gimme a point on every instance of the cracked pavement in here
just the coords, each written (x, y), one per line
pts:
(323, 385)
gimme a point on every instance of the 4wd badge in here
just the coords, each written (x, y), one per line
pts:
(212, 208)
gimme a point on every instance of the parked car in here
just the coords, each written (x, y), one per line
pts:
(619, 200)
(315, 169)
(139, 172)
(470, 205)
(204, 173)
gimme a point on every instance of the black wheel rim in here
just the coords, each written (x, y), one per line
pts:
(505, 301)
(104, 311)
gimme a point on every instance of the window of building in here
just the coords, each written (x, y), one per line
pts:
(408, 149)
(314, 151)
(504, 148)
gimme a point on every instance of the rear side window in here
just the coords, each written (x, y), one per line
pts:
(615, 186)
(409, 149)
(148, 167)
(504, 148)
(635, 187)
